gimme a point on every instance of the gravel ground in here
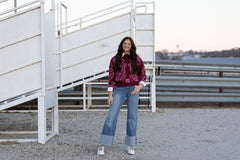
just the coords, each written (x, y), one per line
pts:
(168, 134)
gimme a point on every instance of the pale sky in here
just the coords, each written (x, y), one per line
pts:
(193, 24)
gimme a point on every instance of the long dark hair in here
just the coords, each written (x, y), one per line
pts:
(133, 56)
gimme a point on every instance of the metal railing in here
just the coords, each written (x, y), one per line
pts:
(87, 95)
(194, 66)
(96, 17)
(125, 8)
(145, 7)
(63, 28)
(32, 12)
(187, 87)
(7, 13)
(60, 34)
(178, 81)
(3, 1)
(60, 23)
(19, 98)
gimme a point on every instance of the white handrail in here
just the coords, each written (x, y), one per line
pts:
(105, 14)
(144, 5)
(147, 83)
(99, 14)
(1, 1)
(148, 2)
(22, 6)
(80, 20)
(106, 9)
(88, 15)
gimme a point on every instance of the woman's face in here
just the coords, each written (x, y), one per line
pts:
(126, 46)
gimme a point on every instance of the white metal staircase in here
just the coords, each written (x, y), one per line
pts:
(91, 46)
(27, 68)
(36, 64)
(102, 32)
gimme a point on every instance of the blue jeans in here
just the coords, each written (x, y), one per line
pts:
(119, 96)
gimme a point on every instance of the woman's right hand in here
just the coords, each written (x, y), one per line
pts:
(110, 98)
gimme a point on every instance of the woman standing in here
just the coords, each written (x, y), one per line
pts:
(126, 78)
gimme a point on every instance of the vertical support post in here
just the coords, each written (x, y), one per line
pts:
(132, 20)
(80, 23)
(52, 114)
(220, 89)
(220, 75)
(153, 92)
(15, 6)
(89, 94)
(53, 6)
(60, 47)
(159, 71)
(58, 32)
(55, 117)
(77, 88)
(154, 55)
(54, 110)
(154, 74)
(66, 25)
(84, 96)
(149, 94)
(41, 120)
(41, 99)
(42, 49)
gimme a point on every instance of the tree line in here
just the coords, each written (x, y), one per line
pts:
(165, 54)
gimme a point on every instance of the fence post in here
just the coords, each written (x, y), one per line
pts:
(84, 96)
(89, 95)
(220, 89)
(153, 92)
(41, 120)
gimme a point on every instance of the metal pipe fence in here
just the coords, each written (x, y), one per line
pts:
(174, 86)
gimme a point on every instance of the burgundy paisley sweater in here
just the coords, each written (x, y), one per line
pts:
(125, 77)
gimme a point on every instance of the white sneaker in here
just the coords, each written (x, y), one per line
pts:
(100, 151)
(130, 150)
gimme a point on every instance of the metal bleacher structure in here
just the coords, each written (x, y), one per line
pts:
(39, 58)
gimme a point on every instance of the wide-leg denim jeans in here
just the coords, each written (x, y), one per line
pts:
(119, 95)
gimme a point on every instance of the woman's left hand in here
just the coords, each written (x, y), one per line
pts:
(136, 90)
